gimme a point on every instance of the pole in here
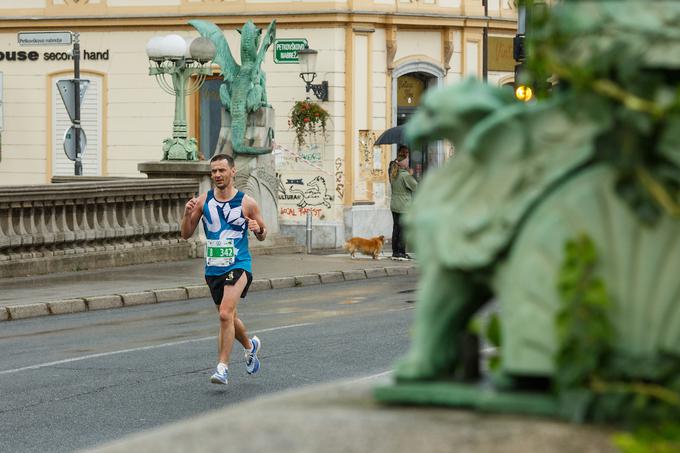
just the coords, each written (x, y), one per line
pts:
(485, 42)
(76, 85)
(522, 20)
(308, 231)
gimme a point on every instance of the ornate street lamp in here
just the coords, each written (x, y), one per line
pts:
(307, 59)
(173, 61)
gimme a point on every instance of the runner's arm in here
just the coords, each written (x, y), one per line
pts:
(192, 214)
(254, 217)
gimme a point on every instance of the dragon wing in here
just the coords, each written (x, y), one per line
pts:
(266, 42)
(223, 57)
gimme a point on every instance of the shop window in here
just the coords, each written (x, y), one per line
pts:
(409, 91)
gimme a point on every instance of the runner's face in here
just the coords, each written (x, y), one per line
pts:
(221, 173)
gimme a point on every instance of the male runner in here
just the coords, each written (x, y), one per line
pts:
(226, 213)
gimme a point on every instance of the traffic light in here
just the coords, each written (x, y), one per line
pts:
(518, 47)
(523, 92)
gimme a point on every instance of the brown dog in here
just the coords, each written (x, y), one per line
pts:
(372, 246)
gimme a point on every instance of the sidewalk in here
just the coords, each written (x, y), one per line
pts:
(72, 292)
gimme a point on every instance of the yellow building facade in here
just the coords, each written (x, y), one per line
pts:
(379, 57)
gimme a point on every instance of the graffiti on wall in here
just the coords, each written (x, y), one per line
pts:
(305, 183)
(299, 195)
(371, 157)
(340, 178)
(307, 157)
(311, 154)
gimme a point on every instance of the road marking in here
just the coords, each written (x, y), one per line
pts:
(373, 376)
(143, 348)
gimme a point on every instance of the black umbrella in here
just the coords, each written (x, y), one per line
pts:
(391, 136)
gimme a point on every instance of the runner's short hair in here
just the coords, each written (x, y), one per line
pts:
(226, 157)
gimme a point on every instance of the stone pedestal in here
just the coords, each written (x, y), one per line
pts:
(198, 170)
(256, 176)
(259, 130)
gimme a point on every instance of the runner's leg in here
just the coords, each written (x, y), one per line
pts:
(230, 299)
(241, 333)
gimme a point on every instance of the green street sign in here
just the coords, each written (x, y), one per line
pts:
(285, 50)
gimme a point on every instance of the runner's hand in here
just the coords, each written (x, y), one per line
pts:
(190, 206)
(253, 225)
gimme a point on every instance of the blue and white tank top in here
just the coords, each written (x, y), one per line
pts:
(226, 232)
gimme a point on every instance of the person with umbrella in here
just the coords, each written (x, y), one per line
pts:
(403, 185)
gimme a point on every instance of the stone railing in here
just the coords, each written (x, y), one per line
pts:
(84, 225)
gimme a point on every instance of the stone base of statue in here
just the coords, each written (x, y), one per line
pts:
(259, 130)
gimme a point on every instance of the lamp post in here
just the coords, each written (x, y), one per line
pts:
(307, 59)
(173, 61)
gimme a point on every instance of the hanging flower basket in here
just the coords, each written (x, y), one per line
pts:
(307, 118)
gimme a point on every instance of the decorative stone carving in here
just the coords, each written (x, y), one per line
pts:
(448, 36)
(391, 46)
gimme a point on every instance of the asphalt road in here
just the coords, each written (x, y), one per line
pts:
(76, 381)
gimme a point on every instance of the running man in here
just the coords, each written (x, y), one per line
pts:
(227, 215)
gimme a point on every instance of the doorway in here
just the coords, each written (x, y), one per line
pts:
(410, 88)
(410, 82)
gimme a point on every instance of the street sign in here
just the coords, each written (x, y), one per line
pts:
(67, 90)
(285, 50)
(44, 38)
(70, 143)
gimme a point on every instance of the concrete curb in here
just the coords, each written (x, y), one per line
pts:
(76, 305)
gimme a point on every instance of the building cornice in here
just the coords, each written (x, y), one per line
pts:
(320, 18)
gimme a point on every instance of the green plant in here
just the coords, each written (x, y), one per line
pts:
(650, 439)
(307, 118)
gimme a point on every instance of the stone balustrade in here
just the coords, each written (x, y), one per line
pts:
(84, 225)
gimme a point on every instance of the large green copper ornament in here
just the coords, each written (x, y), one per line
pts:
(599, 159)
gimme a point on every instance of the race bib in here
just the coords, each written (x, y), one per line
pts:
(219, 252)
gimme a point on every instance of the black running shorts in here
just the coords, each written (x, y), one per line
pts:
(216, 283)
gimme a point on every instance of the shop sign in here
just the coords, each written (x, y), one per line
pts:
(22, 55)
(285, 50)
(500, 54)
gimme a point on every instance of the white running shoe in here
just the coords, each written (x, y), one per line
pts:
(252, 362)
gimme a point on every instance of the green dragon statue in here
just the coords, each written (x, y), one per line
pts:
(243, 90)
(599, 157)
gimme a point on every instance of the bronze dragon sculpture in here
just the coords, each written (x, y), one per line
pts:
(243, 89)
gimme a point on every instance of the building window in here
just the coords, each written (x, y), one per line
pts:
(210, 116)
